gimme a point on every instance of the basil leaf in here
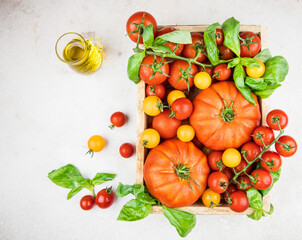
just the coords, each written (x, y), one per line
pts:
(271, 210)
(159, 42)
(100, 178)
(255, 83)
(234, 62)
(65, 176)
(184, 222)
(148, 35)
(210, 43)
(138, 190)
(74, 191)
(275, 176)
(134, 210)
(257, 214)
(162, 49)
(276, 70)
(239, 76)
(183, 37)
(264, 55)
(250, 62)
(134, 64)
(230, 30)
(267, 91)
(255, 198)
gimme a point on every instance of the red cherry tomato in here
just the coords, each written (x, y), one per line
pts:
(264, 179)
(232, 188)
(189, 50)
(274, 116)
(241, 166)
(286, 146)
(218, 182)
(271, 161)
(171, 45)
(126, 150)
(229, 173)
(156, 90)
(250, 46)
(265, 133)
(222, 72)
(238, 201)
(136, 18)
(246, 183)
(251, 150)
(219, 37)
(215, 161)
(117, 119)
(182, 108)
(87, 202)
(105, 198)
(225, 52)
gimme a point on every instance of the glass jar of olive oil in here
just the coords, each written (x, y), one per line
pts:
(83, 56)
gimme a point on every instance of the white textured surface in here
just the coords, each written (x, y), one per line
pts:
(48, 112)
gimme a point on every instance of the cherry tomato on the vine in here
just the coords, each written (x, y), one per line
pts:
(182, 108)
(104, 198)
(286, 146)
(238, 201)
(241, 166)
(245, 183)
(117, 119)
(96, 143)
(274, 116)
(222, 72)
(87, 202)
(126, 150)
(176, 48)
(156, 90)
(190, 50)
(263, 179)
(271, 161)
(215, 161)
(250, 150)
(225, 52)
(231, 188)
(218, 182)
(250, 44)
(265, 133)
(229, 173)
(219, 37)
(210, 199)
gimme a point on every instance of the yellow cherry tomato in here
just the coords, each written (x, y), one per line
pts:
(96, 143)
(202, 80)
(150, 138)
(256, 72)
(173, 95)
(210, 199)
(152, 105)
(185, 133)
(231, 157)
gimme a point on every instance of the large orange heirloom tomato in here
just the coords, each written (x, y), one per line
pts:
(223, 118)
(176, 173)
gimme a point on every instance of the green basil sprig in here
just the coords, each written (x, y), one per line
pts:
(148, 35)
(134, 64)
(230, 30)
(210, 43)
(264, 55)
(249, 62)
(256, 202)
(182, 36)
(70, 177)
(276, 70)
(255, 83)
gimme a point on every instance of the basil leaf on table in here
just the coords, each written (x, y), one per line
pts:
(276, 70)
(271, 209)
(230, 30)
(74, 191)
(138, 190)
(134, 64)
(184, 222)
(100, 178)
(234, 62)
(239, 76)
(275, 176)
(134, 210)
(161, 49)
(210, 43)
(255, 83)
(249, 62)
(148, 35)
(255, 198)
(181, 36)
(264, 55)
(257, 214)
(267, 91)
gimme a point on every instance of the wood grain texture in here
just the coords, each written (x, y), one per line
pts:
(198, 207)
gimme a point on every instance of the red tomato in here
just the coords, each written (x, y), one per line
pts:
(219, 37)
(274, 116)
(265, 133)
(182, 108)
(166, 126)
(117, 119)
(185, 82)
(251, 150)
(232, 188)
(222, 72)
(225, 52)
(238, 201)
(172, 46)
(189, 50)
(136, 18)
(215, 161)
(105, 198)
(250, 46)
(286, 146)
(229, 173)
(218, 182)
(209, 70)
(156, 90)
(271, 161)
(145, 72)
(87, 202)
(241, 166)
(126, 150)
(264, 179)
(246, 183)
(197, 143)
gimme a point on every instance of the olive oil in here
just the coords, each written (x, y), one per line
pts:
(84, 56)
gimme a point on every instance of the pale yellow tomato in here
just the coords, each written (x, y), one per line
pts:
(152, 105)
(210, 199)
(150, 138)
(231, 157)
(256, 72)
(185, 133)
(173, 95)
(202, 80)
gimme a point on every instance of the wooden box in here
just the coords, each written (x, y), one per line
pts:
(143, 119)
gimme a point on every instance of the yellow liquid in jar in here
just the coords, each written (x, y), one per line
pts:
(83, 60)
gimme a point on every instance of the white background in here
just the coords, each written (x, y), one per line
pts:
(48, 112)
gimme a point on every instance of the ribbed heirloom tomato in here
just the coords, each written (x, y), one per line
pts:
(223, 118)
(176, 173)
